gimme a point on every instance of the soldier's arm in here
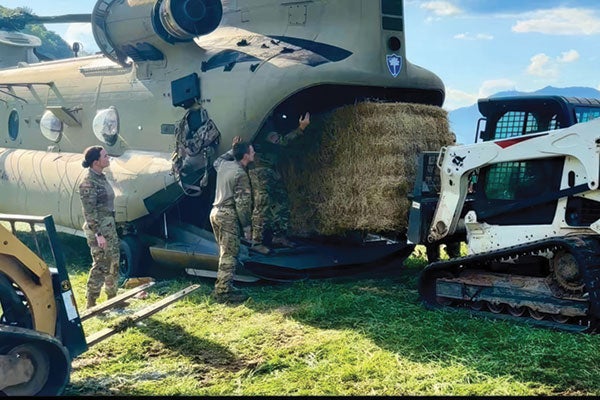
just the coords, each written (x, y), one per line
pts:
(242, 194)
(227, 156)
(89, 201)
(303, 122)
(286, 139)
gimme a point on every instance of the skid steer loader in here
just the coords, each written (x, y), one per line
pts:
(41, 328)
(527, 202)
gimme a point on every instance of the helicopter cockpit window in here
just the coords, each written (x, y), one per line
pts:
(13, 125)
(106, 125)
(51, 126)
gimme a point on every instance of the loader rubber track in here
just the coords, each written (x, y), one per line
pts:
(584, 248)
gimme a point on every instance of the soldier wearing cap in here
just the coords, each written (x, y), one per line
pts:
(230, 216)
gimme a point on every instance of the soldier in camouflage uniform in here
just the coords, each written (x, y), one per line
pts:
(230, 216)
(97, 200)
(271, 213)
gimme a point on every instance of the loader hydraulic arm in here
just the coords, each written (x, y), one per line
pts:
(456, 163)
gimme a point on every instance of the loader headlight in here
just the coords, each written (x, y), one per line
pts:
(106, 125)
(51, 127)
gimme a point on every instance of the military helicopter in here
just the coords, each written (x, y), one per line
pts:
(176, 80)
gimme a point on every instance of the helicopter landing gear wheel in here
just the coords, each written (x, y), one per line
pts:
(131, 258)
(477, 305)
(41, 370)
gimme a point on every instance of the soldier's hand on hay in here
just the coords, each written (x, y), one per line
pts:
(304, 121)
(236, 140)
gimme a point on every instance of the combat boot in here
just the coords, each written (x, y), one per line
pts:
(229, 297)
(282, 241)
(260, 248)
(90, 302)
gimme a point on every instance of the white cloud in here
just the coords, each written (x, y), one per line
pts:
(493, 86)
(542, 66)
(560, 21)
(441, 8)
(457, 99)
(569, 56)
(468, 36)
(82, 33)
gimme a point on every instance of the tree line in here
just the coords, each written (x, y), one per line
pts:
(53, 46)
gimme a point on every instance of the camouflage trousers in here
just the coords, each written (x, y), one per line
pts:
(226, 227)
(105, 262)
(271, 212)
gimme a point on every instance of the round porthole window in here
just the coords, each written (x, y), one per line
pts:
(13, 125)
(51, 127)
(106, 125)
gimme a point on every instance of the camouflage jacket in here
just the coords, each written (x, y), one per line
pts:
(267, 153)
(233, 188)
(97, 199)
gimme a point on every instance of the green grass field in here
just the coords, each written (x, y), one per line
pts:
(324, 337)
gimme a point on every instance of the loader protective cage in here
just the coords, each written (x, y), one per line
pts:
(507, 117)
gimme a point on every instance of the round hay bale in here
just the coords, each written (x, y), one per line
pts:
(354, 167)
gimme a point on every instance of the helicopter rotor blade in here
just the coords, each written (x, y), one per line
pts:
(67, 18)
(18, 21)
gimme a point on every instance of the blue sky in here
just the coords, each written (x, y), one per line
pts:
(477, 47)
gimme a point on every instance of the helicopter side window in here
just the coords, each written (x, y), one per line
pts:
(106, 125)
(13, 125)
(51, 127)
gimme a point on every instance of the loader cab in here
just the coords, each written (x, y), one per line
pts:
(518, 192)
(507, 192)
(506, 117)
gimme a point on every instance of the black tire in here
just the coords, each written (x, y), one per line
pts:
(131, 258)
(14, 309)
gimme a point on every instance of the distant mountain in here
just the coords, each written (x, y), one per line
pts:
(463, 121)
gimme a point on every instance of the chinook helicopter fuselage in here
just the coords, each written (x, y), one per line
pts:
(242, 65)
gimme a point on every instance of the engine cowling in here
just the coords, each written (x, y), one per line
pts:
(142, 30)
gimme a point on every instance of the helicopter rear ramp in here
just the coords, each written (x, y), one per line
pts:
(312, 259)
(194, 250)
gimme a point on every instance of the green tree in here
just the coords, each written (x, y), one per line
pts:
(21, 19)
